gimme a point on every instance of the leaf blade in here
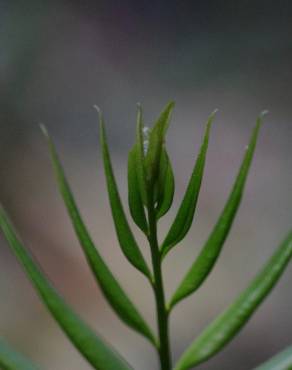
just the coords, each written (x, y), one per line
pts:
(13, 360)
(89, 344)
(186, 211)
(125, 236)
(228, 324)
(166, 188)
(281, 361)
(110, 287)
(134, 194)
(213, 246)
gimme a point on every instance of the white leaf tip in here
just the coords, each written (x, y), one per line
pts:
(44, 129)
(96, 107)
(264, 113)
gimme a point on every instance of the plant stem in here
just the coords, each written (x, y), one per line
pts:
(162, 314)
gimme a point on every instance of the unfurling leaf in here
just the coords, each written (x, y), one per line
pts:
(281, 361)
(97, 352)
(142, 143)
(228, 324)
(213, 246)
(186, 211)
(156, 143)
(125, 236)
(12, 360)
(110, 287)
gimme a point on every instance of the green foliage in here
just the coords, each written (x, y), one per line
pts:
(150, 195)
(98, 353)
(126, 238)
(110, 287)
(134, 195)
(212, 248)
(186, 211)
(226, 326)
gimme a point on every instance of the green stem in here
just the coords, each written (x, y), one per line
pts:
(162, 313)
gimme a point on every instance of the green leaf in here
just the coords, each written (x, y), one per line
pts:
(165, 186)
(98, 353)
(213, 246)
(156, 142)
(110, 287)
(134, 194)
(126, 238)
(186, 211)
(228, 324)
(12, 360)
(281, 361)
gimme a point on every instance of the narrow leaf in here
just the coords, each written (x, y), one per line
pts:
(213, 246)
(156, 141)
(281, 361)
(165, 186)
(98, 353)
(134, 194)
(110, 287)
(186, 211)
(12, 360)
(228, 324)
(126, 238)
(142, 142)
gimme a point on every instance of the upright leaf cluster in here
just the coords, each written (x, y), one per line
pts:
(151, 187)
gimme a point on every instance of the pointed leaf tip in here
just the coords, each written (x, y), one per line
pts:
(44, 129)
(215, 111)
(264, 113)
(97, 108)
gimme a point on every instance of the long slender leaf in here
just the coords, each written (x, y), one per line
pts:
(125, 236)
(98, 353)
(13, 360)
(228, 324)
(186, 211)
(281, 361)
(156, 141)
(110, 287)
(142, 142)
(213, 246)
(134, 194)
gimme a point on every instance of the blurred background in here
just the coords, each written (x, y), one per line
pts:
(57, 59)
